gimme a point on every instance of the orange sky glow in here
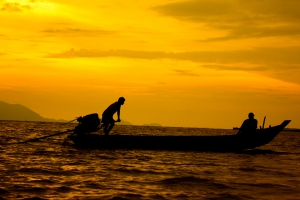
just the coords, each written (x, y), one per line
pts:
(192, 63)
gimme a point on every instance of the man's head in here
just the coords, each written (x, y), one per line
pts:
(121, 100)
(251, 115)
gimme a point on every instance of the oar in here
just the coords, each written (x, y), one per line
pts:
(67, 138)
(34, 139)
(264, 122)
(71, 121)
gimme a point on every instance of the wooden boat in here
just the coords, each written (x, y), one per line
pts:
(221, 143)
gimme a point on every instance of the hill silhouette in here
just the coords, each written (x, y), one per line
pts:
(21, 113)
(152, 124)
(124, 123)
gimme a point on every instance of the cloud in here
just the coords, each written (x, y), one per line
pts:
(185, 72)
(288, 55)
(242, 19)
(78, 32)
(72, 53)
(279, 63)
(19, 7)
(236, 68)
(197, 10)
(2, 54)
(251, 31)
(14, 7)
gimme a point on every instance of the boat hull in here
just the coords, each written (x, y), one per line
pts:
(181, 143)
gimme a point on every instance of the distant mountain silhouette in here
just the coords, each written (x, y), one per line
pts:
(152, 124)
(21, 113)
(123, 123)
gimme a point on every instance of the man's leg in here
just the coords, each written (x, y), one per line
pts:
(101, 125)
(109, 128)
(104, 123)
(108, 124)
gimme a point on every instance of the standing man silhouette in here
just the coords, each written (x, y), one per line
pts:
(107, 117)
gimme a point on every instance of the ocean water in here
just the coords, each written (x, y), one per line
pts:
(46, 169)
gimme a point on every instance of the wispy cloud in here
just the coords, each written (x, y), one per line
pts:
(185, 72)
(258, 56)
(78, 32)
(14, 7)
(280, 63)
(72, 53)
(236, 68)
(242, 19)
(245, 31)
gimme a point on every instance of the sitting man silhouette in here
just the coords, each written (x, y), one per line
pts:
(249, 125)
(107, 117)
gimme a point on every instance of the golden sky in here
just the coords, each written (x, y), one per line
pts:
(195, 63)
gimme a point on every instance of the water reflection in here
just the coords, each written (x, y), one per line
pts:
(48, 170)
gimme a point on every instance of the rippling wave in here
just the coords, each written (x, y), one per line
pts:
(46, 169)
